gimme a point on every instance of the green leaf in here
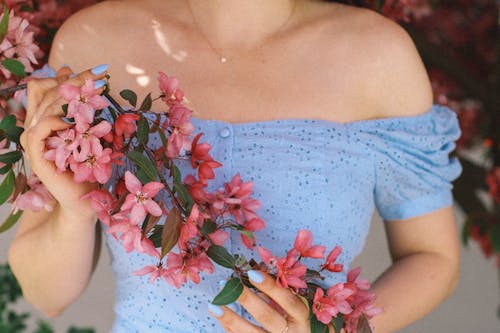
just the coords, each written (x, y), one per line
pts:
(230, 293)
(171, 231)
(10, 221)
(163, 138)
(338, 323)
(184, 195)
(11, 131)
(176, 174)
(146, 103)
(317, 326)
(247, 233)
(65, 109)
(5, 169)
(14, 134)
(43, 327)
(129, 96)
(208, 227)
(143, 130)
(7, 187)
(465, 234)
(494, 235)
(8, 122)
(144, 163)
(156, 235)
(4, 24)
(14, 66)
(221, 256)
(11, 157)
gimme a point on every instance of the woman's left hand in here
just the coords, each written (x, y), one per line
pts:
(295, 318)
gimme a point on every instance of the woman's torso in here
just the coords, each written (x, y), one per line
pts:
(308, 174)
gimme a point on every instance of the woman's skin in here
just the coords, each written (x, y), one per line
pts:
(329, 61)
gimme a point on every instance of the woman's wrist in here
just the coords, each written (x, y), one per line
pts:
(85, 217)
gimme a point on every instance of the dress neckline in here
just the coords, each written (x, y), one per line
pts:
(430, 112)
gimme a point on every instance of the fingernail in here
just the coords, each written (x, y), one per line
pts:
(99, 84)
(222, 283)
(216, 310)
(99, 69)
(255, 276)
(64, 66)
(73, 75)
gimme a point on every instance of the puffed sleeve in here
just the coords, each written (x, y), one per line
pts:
(413, 167)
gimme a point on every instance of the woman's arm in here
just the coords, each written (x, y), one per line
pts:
(425, 252)
(53, 254)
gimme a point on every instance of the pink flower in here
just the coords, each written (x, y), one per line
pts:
(323, 307)
(219, 237)
(60, 147)
(267, 256)
(36, 199)
(139, 201)
(188, 228)
(180, 269)
(202, 160)
(169, 86)
(197, 190)
(303, 244)
(155, 272)
(181, 130)
(330, 261)
(354, 283)
(291, 272)
(89, 138)
(18, 43)
(339, 295)
(493, 182)
(103, 203)
(96, 166)
(82, 103)
(130, 235)
(238, 199)
(125, 124)
(251, 226)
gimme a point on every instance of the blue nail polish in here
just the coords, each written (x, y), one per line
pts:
(73, 75)
(255, 276)
(216, 310)
(64, 66)
(99, 69)
(222, 283)
(99, 83)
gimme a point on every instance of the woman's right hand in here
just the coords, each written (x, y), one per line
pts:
(43, 116)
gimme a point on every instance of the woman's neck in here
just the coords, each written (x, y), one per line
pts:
(234, 24)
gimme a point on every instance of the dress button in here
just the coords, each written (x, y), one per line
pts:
(225, 132)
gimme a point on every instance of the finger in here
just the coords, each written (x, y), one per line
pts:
(63, 74)
(96, 73)
(36, 135)
(231, 321)
(271, 319)
(295, 308)
(43, 92)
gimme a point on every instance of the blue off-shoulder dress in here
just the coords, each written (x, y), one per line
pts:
(324, 176)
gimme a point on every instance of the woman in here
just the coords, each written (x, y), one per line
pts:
(327, 108)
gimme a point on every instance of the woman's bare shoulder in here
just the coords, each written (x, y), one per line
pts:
(82, 37)
(392, 75)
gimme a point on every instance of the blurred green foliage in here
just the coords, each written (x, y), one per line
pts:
(11, 321)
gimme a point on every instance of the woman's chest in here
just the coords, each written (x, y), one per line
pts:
(295, 76)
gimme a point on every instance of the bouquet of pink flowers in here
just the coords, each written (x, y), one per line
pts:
(107, 144)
